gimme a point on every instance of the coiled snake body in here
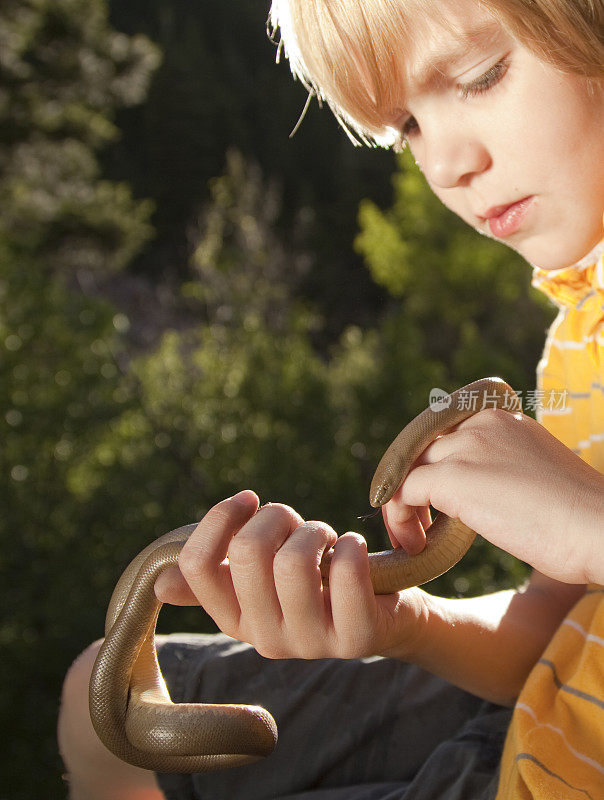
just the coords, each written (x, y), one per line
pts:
(130, 706)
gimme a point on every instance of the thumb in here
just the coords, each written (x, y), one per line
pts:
(171, 587)
(406, 525)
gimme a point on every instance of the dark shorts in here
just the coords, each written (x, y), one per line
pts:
(368, 729)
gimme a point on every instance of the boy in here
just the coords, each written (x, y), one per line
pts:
(502, 105)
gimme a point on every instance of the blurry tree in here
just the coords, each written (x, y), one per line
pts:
(63, 73)
(101, 453)
(242, 271)
(239, 400)
(59, 384)
(218, 88)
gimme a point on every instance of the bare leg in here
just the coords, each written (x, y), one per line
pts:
(92, 771)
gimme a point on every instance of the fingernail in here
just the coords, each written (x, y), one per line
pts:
(242, 497)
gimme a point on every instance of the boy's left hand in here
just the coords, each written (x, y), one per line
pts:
(506, 477)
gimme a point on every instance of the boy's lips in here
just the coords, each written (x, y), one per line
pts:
(507, 219)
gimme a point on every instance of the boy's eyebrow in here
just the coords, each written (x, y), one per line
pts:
(433, 68)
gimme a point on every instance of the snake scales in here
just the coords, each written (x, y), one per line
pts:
(130, 706)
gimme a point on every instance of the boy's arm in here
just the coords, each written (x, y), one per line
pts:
(488, 645)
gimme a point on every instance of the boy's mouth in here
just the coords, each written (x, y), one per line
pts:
(505, 220)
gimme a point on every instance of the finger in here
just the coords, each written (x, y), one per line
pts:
(446, 485)
(299, 585)
(171, 587)
(406, 525)
(436, 450)
(353, 604)
(425, 517)
(203, 563)
(251, 554)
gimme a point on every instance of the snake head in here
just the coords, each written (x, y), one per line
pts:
(380, 494)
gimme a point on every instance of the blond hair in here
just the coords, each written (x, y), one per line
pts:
(349, 53)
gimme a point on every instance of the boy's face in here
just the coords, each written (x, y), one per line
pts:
(507, 142)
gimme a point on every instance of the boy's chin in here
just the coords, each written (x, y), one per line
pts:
(559, 250)
(581, 255)
(550, 258)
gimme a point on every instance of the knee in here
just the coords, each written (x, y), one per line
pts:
(93, 772)
(74, 696)
(75, 732)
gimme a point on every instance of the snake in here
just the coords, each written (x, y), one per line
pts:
(130, 706)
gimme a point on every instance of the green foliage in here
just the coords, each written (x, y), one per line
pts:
(104, 451)
(63, 73)
(217, 410)
(217, 405)
(58, 386)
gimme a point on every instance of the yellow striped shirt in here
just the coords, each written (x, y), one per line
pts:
(555, 745)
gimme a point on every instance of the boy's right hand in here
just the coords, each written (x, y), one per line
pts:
(256, 573)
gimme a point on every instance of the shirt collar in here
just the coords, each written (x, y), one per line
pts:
(573, 286)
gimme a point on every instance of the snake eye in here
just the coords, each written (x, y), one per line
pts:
(378, 496)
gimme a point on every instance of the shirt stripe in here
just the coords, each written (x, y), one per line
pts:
(564, 687)
(592, 762)
(541, 765)
(589, 637)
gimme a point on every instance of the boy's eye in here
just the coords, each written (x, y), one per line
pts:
(409, 127)
(484, 82)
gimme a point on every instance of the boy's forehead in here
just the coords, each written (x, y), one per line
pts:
(438, 47)
(365, 57)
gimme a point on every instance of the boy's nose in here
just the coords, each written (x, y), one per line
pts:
(451, 158)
